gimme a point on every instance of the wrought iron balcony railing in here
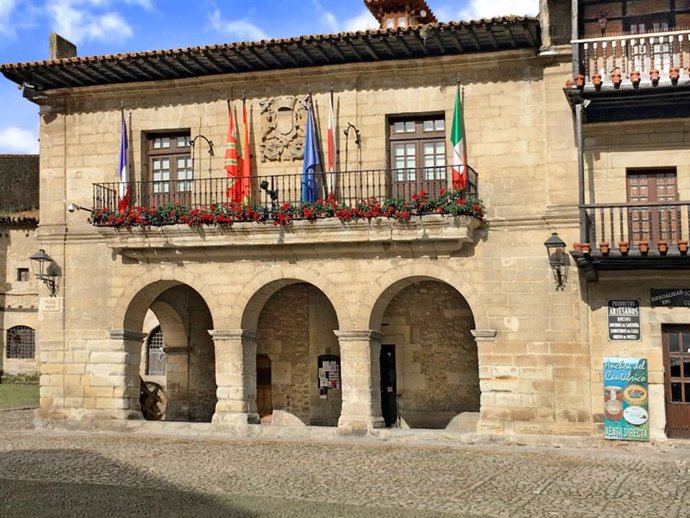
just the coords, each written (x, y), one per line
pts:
(272, 190)
(659, 227)
(632, 54)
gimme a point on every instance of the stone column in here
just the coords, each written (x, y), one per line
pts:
(235, 377)
(112, 385)
(359, 360)
(487, 422)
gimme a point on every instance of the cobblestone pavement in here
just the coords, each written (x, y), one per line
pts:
(68, 474)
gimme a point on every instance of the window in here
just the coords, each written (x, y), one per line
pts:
(22, 274)
(170, 168)
(653, 187)
(418, 154)
(20, 342)
(155, 357)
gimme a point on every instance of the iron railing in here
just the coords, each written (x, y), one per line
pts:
(272, 190)
(628, 53)
(652, 223)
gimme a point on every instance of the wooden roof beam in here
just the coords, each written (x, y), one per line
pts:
(512, 37)
(256, 55)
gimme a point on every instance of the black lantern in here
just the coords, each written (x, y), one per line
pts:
(44, 269)
(558, 261)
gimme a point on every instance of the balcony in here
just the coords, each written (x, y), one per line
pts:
(632, 76)
(624, 236)
(350, 188)
(371, 212)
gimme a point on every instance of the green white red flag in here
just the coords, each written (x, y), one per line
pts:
(457, 138)
(233, 191)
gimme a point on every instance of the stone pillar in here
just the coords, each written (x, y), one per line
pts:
(484, 339)
(359, 360)
(235, 377)
(112, 384)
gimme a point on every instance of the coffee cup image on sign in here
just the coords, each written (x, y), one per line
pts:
(613, 403)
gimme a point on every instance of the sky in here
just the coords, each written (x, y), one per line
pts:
(115, 26)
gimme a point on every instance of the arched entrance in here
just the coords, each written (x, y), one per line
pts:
(429, 369)
(298, 357)
(176, 320)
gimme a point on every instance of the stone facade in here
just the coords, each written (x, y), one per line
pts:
(472, 310)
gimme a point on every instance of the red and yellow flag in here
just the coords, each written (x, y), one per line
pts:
(246, 158)
(233, 192)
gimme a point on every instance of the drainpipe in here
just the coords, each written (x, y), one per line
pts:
(580, 170)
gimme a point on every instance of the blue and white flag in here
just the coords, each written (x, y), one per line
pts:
(123, 171)
(310, 185)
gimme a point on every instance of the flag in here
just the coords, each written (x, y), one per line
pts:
(246, 158)
(233, 192)
(310, 186)
(123, 171)
(331, 148)
(457, 138)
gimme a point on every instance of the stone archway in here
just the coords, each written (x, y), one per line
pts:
(429, 359)
(294, 335)
(185, 319)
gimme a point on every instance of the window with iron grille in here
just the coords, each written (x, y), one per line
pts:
(155, 357)
(21, 342)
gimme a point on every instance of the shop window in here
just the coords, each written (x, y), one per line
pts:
(155, 357)
(21, 342)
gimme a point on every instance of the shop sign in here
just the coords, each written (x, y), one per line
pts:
(624, 319)
(671, 297)
(626, 399)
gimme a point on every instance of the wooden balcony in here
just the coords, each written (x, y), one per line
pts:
(632, 76)
(624, 236)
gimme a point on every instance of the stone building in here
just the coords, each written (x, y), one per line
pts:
(18, 222)
(359, 321)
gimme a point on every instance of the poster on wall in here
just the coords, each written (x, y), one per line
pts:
(626, 399)
(329, 374)
(624, 319)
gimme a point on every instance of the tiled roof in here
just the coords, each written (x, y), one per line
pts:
(430, 40)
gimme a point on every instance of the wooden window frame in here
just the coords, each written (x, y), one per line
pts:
(174, 194)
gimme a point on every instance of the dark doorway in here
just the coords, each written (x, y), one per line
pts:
(389, 400)
(264, 396)
(676, 344)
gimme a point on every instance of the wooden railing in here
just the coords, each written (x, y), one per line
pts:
(630, 53)
(272, 190)
(633, 224)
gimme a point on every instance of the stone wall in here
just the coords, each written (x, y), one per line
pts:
(19, 183)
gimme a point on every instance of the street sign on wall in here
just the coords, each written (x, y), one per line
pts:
(624, 319)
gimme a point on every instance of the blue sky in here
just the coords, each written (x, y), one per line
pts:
(113, 26)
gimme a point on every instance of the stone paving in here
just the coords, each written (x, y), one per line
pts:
(71, 474)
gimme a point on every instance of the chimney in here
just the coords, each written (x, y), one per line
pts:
(60, 48)
(393, 14)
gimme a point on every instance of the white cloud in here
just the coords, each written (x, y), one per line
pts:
(490, 9)
(18, 140)
(242, 30)
(6, 8)
(362, 22)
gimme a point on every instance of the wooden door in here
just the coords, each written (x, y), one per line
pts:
(676, 345)
(654, 222)
(264, 396)
(418, 156)
(170, 170)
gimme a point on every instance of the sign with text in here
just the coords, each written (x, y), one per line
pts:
(671, 297)
(626, 399)
(624, 319)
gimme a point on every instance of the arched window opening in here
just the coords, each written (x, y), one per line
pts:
(21, 342)
(155, 357)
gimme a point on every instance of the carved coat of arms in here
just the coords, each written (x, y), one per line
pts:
(282, 128)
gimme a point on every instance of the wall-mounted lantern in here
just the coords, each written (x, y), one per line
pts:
(45, 270)
(558, 260)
